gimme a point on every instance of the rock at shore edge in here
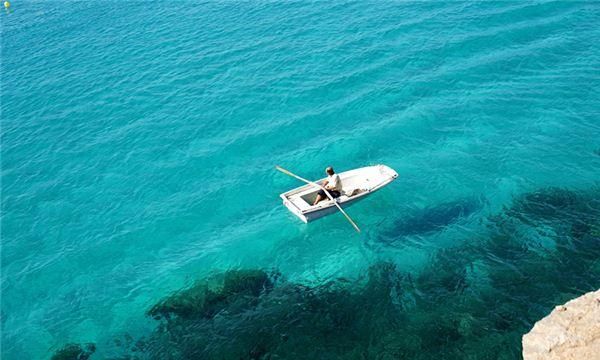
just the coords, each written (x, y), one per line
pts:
(571, 331)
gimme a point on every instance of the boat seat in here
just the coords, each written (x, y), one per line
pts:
(299, 202)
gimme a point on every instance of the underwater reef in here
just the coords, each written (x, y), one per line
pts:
(471, 301)
(74, 352)
(239, 288)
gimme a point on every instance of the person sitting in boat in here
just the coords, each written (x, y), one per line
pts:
(333, 185)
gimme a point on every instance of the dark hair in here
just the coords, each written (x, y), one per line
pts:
(329, 170)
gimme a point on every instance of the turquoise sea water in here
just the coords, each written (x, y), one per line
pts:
(138, 146)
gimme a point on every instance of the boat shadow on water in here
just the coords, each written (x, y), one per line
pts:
(429, 220)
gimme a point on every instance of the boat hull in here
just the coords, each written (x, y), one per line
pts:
(295, 200)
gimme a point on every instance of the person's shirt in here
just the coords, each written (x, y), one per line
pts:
(334, 182)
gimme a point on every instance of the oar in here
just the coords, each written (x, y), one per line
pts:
(324, 190)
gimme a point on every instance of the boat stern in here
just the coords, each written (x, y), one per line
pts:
(293, 208)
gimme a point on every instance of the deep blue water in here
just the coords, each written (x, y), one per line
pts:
(138, 146)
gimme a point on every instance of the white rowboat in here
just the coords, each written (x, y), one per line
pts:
(356, 185)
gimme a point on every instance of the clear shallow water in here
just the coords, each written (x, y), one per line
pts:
(138, 145)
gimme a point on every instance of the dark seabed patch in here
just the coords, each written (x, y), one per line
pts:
(472, 301)
(74, 352)
(239, 289)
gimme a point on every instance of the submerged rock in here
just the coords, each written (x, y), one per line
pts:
(202, 301)
(546, 203)
(283, 322)
(74, 352)
(570, 332)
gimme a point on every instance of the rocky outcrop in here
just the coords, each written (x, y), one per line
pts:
(570, 332)
(74, 352)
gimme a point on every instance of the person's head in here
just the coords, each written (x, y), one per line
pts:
(329, 170)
